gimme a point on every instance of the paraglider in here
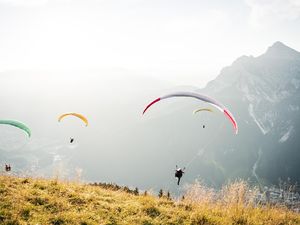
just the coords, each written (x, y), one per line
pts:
(17, 124)
(201, 110)
(178, 173)
(83, 118)
(201, 97)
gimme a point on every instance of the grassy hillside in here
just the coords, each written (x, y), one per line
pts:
(41, 201)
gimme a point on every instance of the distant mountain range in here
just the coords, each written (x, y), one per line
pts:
(263, 92)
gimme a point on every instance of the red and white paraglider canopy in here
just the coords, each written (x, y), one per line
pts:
(201, 97)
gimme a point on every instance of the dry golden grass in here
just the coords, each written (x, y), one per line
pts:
(41, 201)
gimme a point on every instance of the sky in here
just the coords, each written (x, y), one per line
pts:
(184, 42)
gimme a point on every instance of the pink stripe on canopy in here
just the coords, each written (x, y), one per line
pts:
(201, 97)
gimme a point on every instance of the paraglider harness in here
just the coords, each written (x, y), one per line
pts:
(178, 173)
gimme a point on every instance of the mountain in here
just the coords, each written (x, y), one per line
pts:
(263, 92)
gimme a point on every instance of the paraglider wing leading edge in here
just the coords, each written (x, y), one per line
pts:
(201, 97)
(18, 125)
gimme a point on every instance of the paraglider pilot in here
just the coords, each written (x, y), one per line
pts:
(178, 173)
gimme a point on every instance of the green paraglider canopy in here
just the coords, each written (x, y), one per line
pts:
(17, 124)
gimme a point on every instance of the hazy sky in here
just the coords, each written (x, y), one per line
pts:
(182, 41)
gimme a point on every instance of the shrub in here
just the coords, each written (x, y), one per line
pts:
(152, 212)
(25, 213)
(57, 221)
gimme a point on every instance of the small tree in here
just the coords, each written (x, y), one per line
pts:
(126, 189)
(136, 191)
(168, 195)
(160, 193)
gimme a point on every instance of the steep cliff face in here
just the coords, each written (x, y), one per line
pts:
(264, 94)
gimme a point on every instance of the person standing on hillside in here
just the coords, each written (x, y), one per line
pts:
(178, 173)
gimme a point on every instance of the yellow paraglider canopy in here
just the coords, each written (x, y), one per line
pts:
(84, 119)
(202, 109)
